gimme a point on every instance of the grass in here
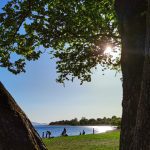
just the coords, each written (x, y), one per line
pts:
(105, 141)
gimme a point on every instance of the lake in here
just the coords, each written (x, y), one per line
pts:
(72, 130)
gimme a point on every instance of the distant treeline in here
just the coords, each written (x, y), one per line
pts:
(84, 121)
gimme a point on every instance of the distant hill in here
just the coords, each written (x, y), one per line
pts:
(36, 123)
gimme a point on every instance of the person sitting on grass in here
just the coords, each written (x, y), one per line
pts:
(83, 133)
(64, 133)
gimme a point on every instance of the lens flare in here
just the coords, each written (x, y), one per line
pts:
(108, 51)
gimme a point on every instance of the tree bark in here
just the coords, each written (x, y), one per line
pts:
(16, 131)
(132, 29)
(142, 130)
(141, 140)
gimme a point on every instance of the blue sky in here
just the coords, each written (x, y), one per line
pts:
(44, 100)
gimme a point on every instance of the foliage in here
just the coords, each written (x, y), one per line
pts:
(104, 141)
(77, 31)
(84, 121)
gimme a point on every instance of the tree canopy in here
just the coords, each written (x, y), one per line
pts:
(84, 121)
(76, 33)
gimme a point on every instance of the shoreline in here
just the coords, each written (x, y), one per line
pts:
(109, 131)
(85, 125)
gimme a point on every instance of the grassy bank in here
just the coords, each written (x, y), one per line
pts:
(106, 141)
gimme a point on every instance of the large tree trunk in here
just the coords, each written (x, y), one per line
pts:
(142, 130)
(141, 139)
(16, 131)
(132, 29)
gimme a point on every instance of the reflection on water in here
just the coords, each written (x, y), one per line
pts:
(72, 130)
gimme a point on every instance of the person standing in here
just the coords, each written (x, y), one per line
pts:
(43, 135)
(93, 131)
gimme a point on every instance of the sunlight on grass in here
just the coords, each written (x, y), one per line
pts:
(106, 141)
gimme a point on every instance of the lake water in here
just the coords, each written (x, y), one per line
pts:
(72, 130)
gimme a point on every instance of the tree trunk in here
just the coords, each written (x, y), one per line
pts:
(141, 139)
(132, 29)
(142, 130)
(16, 131)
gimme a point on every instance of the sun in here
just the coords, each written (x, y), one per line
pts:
(111, 52)
(108, 51)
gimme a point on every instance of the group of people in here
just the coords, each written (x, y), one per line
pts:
(83, 133)
(47, 135)
(64, 133)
